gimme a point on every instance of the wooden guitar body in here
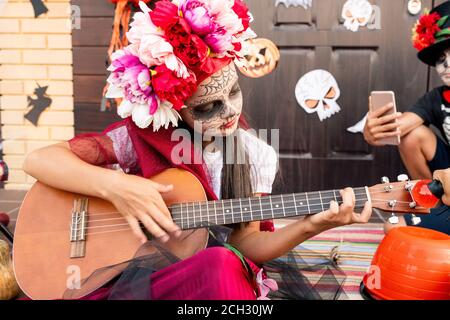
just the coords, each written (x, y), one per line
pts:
(42, 247)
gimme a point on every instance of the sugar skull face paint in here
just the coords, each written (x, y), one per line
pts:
(217, 104)
(317, 92)
(443, 67)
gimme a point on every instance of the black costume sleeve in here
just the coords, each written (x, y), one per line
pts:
(427, 106)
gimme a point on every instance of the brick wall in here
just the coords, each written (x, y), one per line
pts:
(34, 50)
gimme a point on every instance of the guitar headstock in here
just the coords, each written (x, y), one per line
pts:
(396, 197)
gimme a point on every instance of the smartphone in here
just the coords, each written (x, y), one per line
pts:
(380, 99)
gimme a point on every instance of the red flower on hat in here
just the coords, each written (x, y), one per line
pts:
(426, 30)
(172, 88)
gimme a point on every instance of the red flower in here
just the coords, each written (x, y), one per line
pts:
(177, 32)
(171, 88)
(241, 9)
(164, 14)
(428, 23)
(188, 47)
(193, 53)
(425, 31)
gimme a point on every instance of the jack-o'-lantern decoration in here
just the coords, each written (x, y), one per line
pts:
(261, 58)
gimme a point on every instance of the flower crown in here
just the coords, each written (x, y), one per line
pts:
(172, 49)
(427, 31)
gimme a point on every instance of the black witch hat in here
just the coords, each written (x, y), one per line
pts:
(432, 34)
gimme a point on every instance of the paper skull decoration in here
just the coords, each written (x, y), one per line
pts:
(317, 92)
(414, 6)
(261, 57)
(295, 3)
(356, 13)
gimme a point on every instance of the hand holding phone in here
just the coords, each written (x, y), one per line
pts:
(382, 127)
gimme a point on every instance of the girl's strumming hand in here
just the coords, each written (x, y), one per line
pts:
(139, 200)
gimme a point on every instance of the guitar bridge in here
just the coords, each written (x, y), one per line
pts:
(78, 228)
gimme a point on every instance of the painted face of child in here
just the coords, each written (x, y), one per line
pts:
(443, 67)
(216, 105)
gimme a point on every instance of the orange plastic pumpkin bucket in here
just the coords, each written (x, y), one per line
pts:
(411, 263)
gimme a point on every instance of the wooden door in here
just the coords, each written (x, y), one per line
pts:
(320, 155)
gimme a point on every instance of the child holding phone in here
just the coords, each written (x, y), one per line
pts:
(421, 150)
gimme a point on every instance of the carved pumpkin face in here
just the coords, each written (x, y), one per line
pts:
(261, 58)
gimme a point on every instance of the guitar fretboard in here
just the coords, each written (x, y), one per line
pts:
(193, 215)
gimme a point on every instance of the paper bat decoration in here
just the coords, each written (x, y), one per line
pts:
(295, 3)
(38, 105)
(39, 7)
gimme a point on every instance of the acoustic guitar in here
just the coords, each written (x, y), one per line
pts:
(58, 232)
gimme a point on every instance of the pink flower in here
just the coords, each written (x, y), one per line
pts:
(218, 23)
(131, 79)
(265, 285)
(150, 44)
(196, 14)
(219, 41)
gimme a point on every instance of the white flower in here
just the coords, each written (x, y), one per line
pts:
(125, 109)
(141, 116)
(165, 115)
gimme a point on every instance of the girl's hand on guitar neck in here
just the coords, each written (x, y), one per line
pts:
(139, 200)
(341, 215)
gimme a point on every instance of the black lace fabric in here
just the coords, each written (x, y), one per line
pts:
(295, 277)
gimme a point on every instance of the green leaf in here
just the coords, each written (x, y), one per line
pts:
(445, 32)
(441, 21)
(238, 253)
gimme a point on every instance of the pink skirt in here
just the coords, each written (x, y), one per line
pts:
(213, 274)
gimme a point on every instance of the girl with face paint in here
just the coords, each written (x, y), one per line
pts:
(214, 109)
(421, 150)
(217, 104)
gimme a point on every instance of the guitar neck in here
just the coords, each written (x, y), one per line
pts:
(193, 215)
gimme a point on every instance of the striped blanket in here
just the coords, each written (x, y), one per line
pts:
(354, 246)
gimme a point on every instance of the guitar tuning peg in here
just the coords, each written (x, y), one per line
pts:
(415, 220)
(393, 219)
(403, 178)
(385, 180)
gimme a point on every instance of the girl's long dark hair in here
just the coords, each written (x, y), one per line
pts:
(236, 176)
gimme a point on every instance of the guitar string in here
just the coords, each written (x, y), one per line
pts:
(224, 214)
(240, 207)
(129, 229)
(250, 199)
(208, 216)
